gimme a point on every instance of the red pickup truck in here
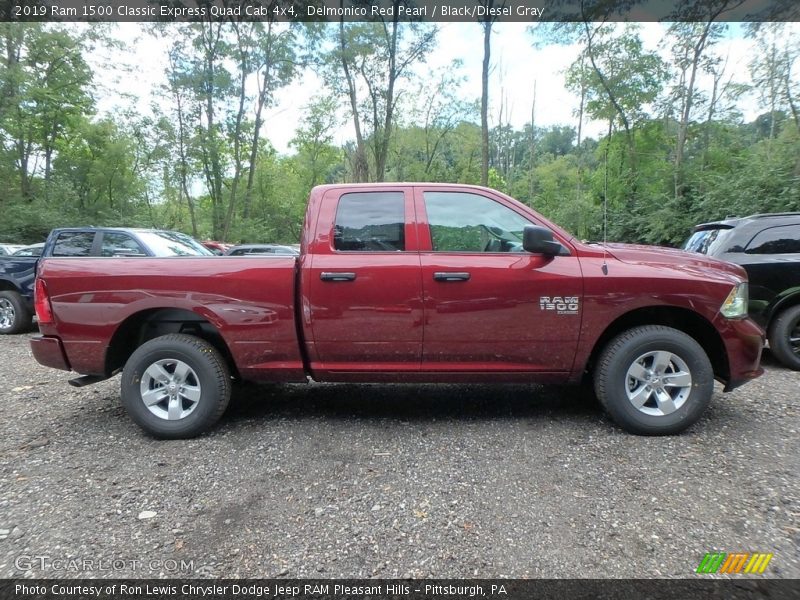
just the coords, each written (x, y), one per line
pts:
(405, 282)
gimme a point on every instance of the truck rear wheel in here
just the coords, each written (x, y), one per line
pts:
(176, 386)
(15, 316)
(654, 380)
(784, 337)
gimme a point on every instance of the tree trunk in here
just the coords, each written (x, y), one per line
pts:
(581, 108)
(359, 160)
(184, 166)
(712, 105)
(532, 143)
(790, 99)
(237, 135)
(211, 159)
(263, 96)
(487, 49)
(380, 159)
(611, 96)
(23, 155)
(683, 127)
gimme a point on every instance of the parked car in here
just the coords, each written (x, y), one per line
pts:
(260, 249)
(406, 282)
(768, 247)
(8, 249)
(17, 272)
(218, 248)
(32, 250)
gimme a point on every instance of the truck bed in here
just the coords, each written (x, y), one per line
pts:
(250, 301)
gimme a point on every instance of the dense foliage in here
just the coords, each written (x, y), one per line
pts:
(673, 154)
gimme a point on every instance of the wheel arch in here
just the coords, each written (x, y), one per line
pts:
(787, 299)
(151, 323)
(8, 285)
(682, 319)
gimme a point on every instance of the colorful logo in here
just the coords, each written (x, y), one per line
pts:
(740, 562)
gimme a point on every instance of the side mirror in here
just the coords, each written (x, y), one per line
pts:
(539, 240)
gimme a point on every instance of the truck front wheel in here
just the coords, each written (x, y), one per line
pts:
(176, 386)
(654, 380)
(15, 316)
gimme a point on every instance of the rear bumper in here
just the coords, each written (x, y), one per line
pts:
(49, 351)
(744, 340)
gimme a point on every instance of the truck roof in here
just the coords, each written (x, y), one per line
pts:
(104, 228)
(396, 184)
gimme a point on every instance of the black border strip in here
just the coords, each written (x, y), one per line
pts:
(418, 589)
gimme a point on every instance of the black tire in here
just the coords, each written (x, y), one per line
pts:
(784, 327)
(632, 349)
(16, 316)
(208, 377)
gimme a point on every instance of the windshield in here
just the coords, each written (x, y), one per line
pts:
(35, 250)
(172, 243)
(707, 241)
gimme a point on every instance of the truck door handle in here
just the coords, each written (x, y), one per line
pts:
(327, 276)
(448, 276)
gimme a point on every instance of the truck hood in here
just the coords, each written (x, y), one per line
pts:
(689, 262)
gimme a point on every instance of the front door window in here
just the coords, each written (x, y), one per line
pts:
(463, 222)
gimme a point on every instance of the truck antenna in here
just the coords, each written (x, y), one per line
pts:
(605, 204)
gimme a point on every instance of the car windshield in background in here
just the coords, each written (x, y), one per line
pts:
(172, 243)
(261, 250)
(6, 249)
(34, 250)
(706, 241)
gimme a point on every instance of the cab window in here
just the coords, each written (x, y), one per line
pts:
(74, 243)
(120, 244)
(370, 222)
(464, 222)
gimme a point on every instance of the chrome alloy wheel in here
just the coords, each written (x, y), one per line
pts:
(7, 313)
(658, 383)
(170, 389)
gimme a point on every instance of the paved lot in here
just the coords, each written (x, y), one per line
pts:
(390, 481)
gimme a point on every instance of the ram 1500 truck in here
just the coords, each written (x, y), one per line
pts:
(405, 282)
(17, 273)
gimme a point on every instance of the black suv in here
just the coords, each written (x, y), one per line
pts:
(768, 247)
(17, 272)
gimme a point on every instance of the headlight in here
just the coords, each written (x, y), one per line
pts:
(735, 305)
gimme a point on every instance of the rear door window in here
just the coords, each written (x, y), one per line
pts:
(74, 243)
(776, 240)
(172, 243)
(120, 244)
(370, 222)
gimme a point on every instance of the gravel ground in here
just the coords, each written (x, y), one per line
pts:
(390, 481)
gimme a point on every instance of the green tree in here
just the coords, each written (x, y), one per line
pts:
(98, 163)
(317, 158)
(691, 42)
(369, 63)
(44, 80)
(222, 77)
